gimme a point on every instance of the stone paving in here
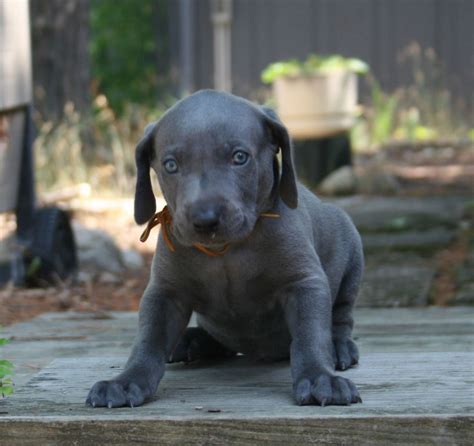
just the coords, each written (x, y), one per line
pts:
(402, 238)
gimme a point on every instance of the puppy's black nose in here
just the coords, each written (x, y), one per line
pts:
(206, 220)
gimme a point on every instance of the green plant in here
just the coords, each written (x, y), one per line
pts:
(384, 107)
(6, 372)
(314, 63)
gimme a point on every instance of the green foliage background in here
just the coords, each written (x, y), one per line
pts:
(129, 50)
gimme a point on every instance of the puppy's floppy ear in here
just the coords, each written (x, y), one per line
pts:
(145, 205)
(288, 190)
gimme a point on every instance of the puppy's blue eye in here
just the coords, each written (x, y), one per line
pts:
(171, 166)
(239, 158)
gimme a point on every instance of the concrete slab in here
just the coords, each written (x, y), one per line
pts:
(416, 378)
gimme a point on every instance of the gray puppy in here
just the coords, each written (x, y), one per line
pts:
(269, 287)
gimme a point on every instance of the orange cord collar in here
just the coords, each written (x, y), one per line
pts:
(164, 219)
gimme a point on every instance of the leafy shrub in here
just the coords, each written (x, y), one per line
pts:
(6, 372)
(129, 50)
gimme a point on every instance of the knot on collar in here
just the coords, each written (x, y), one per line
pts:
(164, 219)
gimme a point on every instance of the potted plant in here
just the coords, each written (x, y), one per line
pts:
(317, 97)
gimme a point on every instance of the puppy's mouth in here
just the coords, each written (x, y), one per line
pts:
(226, 233)
(212, 239)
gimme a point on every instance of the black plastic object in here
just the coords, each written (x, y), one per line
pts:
(317, 158)
(51, 256)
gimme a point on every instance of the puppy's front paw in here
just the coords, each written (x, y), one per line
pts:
(326, 390)
(116, 394)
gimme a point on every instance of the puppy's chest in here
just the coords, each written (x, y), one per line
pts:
(232, 287)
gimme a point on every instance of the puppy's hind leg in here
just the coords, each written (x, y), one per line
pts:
(196, 344)
(345, 351)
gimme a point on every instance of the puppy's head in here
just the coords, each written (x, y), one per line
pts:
(215, 158)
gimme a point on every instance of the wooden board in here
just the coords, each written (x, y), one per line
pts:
(416, 378)
(11, 153)
(15, 54)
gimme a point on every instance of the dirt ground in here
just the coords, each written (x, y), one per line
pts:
(18, 304)
(420, 171)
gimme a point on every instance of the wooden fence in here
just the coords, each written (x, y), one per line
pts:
(378, 31)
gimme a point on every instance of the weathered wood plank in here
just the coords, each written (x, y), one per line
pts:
(416, 378)
(80, 335)
(346, 431)
(408, 384)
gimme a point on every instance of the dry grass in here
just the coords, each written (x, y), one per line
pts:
(422, 111)
(95, 148)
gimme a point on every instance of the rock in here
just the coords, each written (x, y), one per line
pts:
(97, 251)
(404, 224)
(132, 260)
(377, 183)
(396, 280)
(464, 296)
(100, 256)
(464, 278)
(107, 277)
(342, 181)
(397, 214)
(84, 277)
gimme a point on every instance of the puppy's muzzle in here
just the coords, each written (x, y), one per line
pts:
(206, 219)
